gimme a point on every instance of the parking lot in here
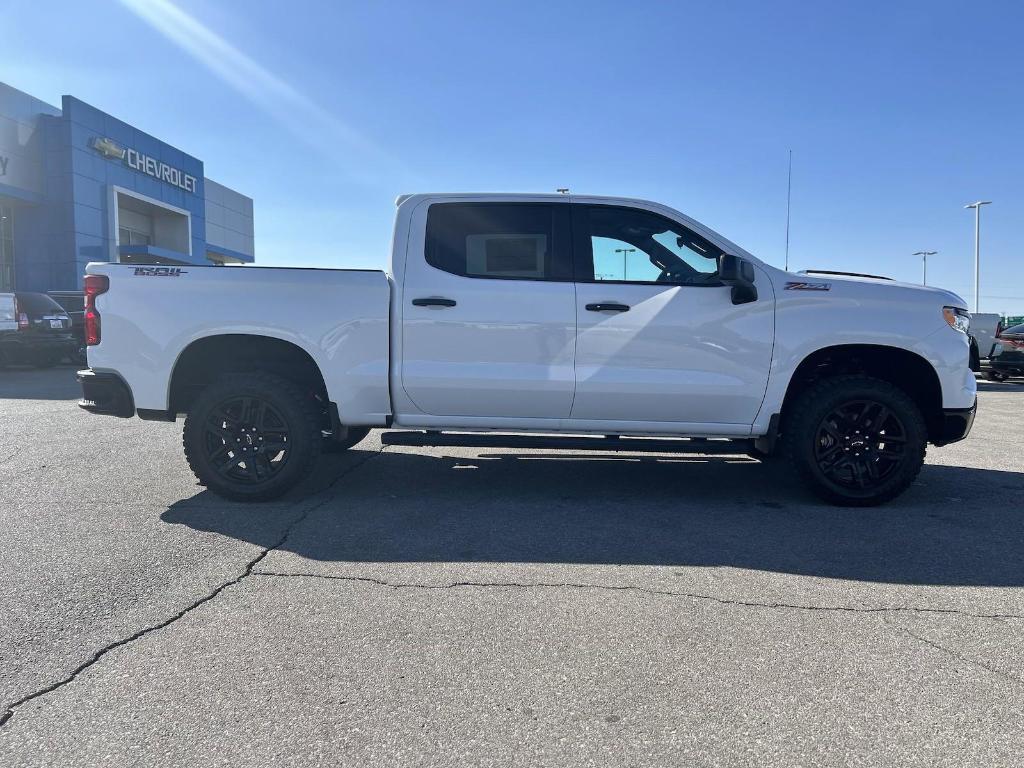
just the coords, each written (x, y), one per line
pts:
(488, 606)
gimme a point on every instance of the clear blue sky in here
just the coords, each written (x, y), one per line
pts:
(898, 113)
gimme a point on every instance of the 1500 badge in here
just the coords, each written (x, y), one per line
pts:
(160, 271)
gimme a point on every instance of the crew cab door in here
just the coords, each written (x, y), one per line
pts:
(659, 339)
(488, 311)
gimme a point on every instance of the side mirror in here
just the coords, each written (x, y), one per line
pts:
(739, 273)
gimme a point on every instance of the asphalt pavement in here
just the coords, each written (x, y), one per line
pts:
(461, 605)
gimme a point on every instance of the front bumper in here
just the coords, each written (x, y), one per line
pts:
(105, 393)
(956, 424)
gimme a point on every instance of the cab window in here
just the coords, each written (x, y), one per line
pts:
(629, 245)
(502, 241)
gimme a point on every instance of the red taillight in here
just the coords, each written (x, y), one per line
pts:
(94, 285)
(23, 322)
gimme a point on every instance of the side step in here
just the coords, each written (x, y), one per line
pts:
(571, 443)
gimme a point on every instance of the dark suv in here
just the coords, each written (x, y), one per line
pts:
(1008, 354)
(40, 334)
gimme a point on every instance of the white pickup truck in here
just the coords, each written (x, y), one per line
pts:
(535, 313)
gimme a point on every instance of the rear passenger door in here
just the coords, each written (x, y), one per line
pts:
(489, 311)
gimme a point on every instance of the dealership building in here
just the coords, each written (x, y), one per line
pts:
(78, 185)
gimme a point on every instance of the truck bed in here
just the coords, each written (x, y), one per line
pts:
(339, 317)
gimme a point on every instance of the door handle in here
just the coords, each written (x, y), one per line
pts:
(608, 307)
(433, 302)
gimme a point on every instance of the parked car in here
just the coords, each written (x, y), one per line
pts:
(1008, 355)
(975, 356)
(534, 313)
(42, 333)
(985, 327)
(73, 302)
(8, 315)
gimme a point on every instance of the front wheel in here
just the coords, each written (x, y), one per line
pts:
(251, 437)
(855, 440)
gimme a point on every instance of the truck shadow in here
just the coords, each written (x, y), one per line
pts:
(25, 383)
(956, 526)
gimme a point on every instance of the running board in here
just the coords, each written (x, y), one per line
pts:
(573, 443)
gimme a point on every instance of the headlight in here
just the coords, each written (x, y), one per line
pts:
(958, 319)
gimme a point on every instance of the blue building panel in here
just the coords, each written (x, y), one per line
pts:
(89, 191)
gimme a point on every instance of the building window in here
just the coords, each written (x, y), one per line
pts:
(6, 248)
(144, 224)
(127, 236)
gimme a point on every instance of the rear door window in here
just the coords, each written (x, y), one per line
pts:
(500, 241)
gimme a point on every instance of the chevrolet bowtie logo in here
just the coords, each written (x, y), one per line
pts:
(108, 148)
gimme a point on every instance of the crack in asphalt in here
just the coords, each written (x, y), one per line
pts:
(645, 590)
(9, 710)
(960, 657)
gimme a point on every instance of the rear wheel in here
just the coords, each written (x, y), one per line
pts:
(855, 440)
(251, 437)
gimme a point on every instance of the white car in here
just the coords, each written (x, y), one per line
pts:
(8, 313)
(549, 314)
(985, 328)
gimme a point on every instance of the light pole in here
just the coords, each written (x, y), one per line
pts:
(625, 252)
(977, 246)
(924, 264)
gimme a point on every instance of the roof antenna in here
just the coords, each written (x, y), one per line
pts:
(563, 190)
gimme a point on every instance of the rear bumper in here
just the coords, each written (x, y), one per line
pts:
(51, 343)
(956, 424)
(26, 346)
(1007, 363)
(105, 393)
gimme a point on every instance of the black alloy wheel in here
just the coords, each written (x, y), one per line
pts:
(247, 439)
(860, 444)
(855, 440)
(252, 436)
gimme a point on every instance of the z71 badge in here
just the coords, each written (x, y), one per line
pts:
(796, 286)
(160, 271)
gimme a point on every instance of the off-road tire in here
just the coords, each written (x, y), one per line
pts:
(290, 406)
(805, 433)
